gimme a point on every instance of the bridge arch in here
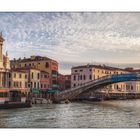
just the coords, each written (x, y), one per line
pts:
(97, 84)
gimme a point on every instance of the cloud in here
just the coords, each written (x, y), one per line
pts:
(76, 37)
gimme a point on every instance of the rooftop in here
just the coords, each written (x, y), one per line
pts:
(32, 58)
(100, 67)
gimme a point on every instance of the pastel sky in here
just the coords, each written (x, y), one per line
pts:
(73, 38)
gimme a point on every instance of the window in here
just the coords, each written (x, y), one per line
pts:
(17, 85)
(44, 85)
(74, 78)
(26, 85)
(14, 84)
(90, 77)
(94, 77)
(45, 76)
(84, 77)
(47, 64)
(32, 75)
(38, 85)
(74, 85)
(81, 77)
(20, 75)
(117, 87)
(54, 82)
(20, 84)
(34, 84)
(30, 65)
(90, 70)
(81, 70)
(38, 75)
(78, 77)
(25, 76)
(25, 65)
(75, 71)
(54, 72)
(14, 75)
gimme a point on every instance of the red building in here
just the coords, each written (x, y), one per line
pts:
(61, 82)
(64, 81)
(67, 81)
(45, 82)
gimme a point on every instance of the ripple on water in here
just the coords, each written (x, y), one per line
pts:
(108, 114)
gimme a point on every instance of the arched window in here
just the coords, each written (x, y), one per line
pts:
(84, 77)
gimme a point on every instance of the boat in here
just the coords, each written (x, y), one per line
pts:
(12, 105)
(14, 100)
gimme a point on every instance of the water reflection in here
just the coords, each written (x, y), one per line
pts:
(106, 114)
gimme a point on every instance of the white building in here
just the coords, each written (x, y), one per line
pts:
(86, 73)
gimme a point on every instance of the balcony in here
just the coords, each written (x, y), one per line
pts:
(54, 85)
(54, 75)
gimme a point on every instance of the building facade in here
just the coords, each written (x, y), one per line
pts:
(4, 72)
(64, 82)
(86, 73)
(44, 81)
(19, 82)
(42, 63)
(61, 82)
(67, 82)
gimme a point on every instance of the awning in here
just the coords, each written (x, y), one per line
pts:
(4, 90)
(53, 90)
(35, 91)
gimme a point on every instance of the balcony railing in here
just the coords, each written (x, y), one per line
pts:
(54, 75)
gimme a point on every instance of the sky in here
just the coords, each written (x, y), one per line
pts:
(74, 38)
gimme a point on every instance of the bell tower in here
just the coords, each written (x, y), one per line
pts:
(1, 46)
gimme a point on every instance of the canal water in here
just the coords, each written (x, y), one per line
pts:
(106, 114)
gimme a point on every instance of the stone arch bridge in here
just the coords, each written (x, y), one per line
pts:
(72, 93)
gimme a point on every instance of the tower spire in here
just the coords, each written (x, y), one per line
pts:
(1, 36)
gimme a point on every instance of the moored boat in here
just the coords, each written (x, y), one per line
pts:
(10, 105)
